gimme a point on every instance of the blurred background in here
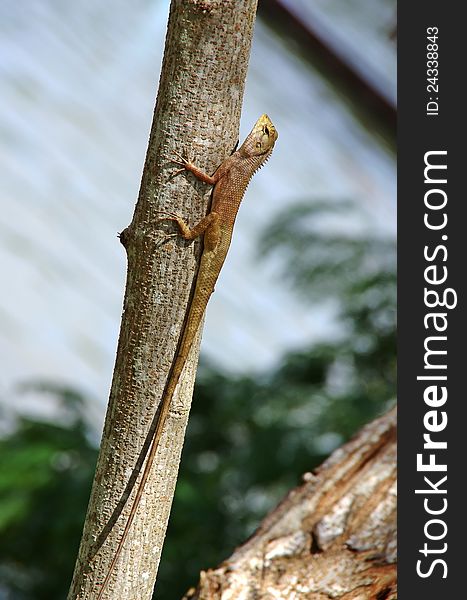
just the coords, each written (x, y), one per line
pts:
(299, 343)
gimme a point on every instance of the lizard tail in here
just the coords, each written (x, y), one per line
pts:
(190, 330)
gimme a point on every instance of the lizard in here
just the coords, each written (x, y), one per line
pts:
(230, 181)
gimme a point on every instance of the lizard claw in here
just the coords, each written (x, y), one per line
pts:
(167, 236)
(168, 216)
(181, 160)
(178, 159)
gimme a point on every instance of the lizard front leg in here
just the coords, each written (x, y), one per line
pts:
(187, 165)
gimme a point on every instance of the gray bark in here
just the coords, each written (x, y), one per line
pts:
(197, 110)
(332, 537)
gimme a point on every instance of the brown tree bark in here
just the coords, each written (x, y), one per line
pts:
(197, 111)
(332, 537)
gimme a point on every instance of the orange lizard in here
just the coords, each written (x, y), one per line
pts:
(230, 182)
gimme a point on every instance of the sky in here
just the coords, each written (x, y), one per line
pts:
(77, 91)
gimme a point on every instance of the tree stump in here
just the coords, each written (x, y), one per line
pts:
(332, 537)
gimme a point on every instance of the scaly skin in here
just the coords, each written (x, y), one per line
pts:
(230, 182)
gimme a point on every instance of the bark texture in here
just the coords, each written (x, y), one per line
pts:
(198, 111)
(332, 537)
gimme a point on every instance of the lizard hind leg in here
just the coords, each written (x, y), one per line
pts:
(185, 231)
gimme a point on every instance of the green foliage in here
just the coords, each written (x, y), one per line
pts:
(45, 478)
(249, 438)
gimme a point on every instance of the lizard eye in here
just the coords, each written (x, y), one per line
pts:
(258, 144)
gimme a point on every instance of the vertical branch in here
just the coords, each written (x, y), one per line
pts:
(198, 111)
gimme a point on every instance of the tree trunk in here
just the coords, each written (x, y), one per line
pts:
(332, 537)
(197, 111)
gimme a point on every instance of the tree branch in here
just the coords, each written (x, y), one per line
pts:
(197, 111)
(332, 537)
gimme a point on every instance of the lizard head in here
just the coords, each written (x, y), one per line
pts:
(261, 139)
